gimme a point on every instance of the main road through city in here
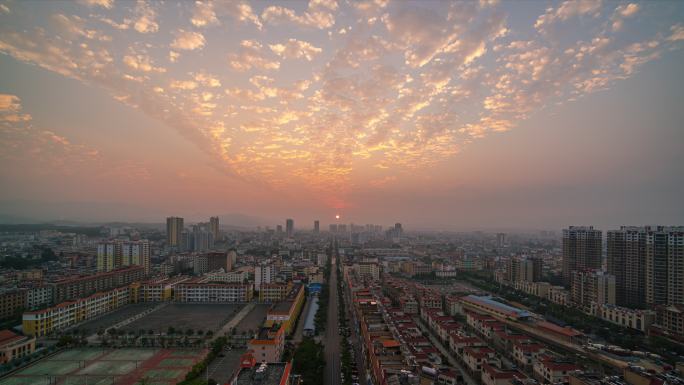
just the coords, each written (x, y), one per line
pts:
(332, 333)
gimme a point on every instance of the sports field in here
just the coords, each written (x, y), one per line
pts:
(97, 366)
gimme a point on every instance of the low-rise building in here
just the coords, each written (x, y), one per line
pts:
(63, 315)
(213, 292)
(492, 375)
(13, 346)
(264, 373)
(475, 358)
(630, 318)
(526, 354)
(551, 371)
(269, 344)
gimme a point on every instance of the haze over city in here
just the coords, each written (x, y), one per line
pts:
(442, 115)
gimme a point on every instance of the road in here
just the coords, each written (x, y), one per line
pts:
(332, 336)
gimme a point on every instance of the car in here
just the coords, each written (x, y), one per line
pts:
(222, 355)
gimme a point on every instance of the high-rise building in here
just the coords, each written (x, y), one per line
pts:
(263, 274)
(317, 227)
(524, 269)
(665, 266)
(333, 228)
(202, 239)
(174, 229)
(501, 239)
(108, 255)
(116, 254)
(279, 229)
(582, 250)
(214, 227)
(626, 254)
(289, 227)
(136, 253)
(592, 286)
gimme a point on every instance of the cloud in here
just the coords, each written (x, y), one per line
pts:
(319, 14)
(141, 62)
(623, 11)
(10, 110)
(188, 40)
(203, 15)
(108, 4)
(145, 18)
(250, 55)
(398, 94)
(207, 80)
(677, 33)
(296, 49)
(31, 147)
(183, 84)
(567, 10)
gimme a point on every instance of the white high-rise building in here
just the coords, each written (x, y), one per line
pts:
(264, 273)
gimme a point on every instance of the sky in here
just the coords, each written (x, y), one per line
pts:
(436, 114)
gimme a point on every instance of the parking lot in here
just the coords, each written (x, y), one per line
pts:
(114, 317)
(254, 319)
(203, 317)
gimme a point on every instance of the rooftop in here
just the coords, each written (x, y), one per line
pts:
(489, 302)
(263, 374)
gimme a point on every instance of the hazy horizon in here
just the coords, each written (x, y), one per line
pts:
(439, 115)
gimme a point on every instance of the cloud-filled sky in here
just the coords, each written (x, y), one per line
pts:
(438, 114)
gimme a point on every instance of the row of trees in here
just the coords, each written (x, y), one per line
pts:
(309, 362)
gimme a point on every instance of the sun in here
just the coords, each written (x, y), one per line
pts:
(337, 216)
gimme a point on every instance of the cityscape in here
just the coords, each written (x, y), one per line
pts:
(341, 192)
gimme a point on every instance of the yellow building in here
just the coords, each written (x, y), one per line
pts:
(286, 312)
(274, 292)
(43, 322)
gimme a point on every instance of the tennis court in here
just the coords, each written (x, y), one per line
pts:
(109, 367)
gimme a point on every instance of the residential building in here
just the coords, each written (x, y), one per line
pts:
(289, 227)
(39, 295)
(263, 273)
(626, 252)
(81, 286)
(582, 249)
(524, 269)
(552, 371)
(214, 227)
(592, 286)
(174, 229)
(12, 302)
(269, 344)
(54, 319)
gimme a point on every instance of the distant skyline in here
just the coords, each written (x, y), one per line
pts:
(441, 115)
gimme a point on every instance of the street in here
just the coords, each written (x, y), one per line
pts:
(332, 336)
